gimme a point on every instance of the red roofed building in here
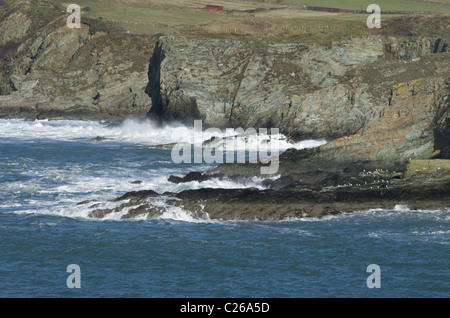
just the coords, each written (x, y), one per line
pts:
(214, 7)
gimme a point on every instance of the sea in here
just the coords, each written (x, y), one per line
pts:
(51, 248)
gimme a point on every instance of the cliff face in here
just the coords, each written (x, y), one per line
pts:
(50, 71)
(413, 126)
(378, 101)
(306, 90)
(231, 84)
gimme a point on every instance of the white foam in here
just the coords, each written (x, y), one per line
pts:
(82, 211)
(310, 143)
(10, 205)
(430, 233)
(170, 212)
(64, 187)
(43, 224)
(57, 130)
(131, 131)
(399, 211)
(144, 132)
(179, 214)
(401, 208)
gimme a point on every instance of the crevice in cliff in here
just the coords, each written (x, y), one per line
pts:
(391, 95)
(442, 130)
(440, 46)
(442, 141)
(153, 88)
(13, 87)
(240, 78)
(414, 47)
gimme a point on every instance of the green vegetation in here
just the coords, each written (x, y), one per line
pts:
(259, 20)
(41, 14)
(256, 20)
(96, 25)
(387, 5)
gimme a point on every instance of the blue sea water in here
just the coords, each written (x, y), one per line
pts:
(47, 167)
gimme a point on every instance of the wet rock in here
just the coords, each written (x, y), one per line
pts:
(278, 183)
(98, 138)
(136, 195)
(191, 176)
(99, 213)
(200, 177)
(368, 190)
(86, 202)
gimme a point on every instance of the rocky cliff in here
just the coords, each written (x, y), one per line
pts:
(250, 84)
(50, 71)
(378, 100)
(307, 90)
(414, 125)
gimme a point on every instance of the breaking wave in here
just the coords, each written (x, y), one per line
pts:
(143, 132)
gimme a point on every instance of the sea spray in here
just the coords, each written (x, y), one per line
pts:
(133, 131)
(48, 167)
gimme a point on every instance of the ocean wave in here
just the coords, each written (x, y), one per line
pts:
(176, 213)
(43, 224)
(123, 210)
(397, 212)
(430, 232)
(401, 208)
(144, 132)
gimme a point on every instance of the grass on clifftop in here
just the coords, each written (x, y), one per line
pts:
(272, 21)
(437, 6)
(259, 20)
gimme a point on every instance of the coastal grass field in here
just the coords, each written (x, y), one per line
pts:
(278, 21)
(440, 6)
(259, 20)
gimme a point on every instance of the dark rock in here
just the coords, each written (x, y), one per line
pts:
(99, 138)
(429, 190)
(282, 182)
(85, 202)
(445, 154)
(137, 195)
(268, 183)
(175, 179)
(191, 176)
(99, 213)
(331, 178)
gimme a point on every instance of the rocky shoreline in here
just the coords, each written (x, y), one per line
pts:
(382, 102)
(425, 185)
